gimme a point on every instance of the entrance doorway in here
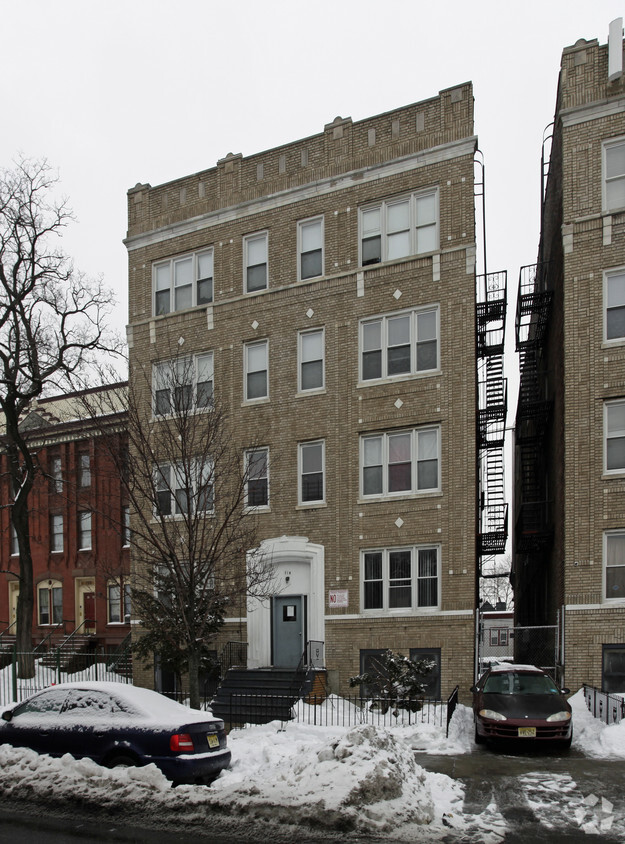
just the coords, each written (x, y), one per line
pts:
(288, 630)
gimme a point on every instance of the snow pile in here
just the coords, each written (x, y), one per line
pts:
(592, 736)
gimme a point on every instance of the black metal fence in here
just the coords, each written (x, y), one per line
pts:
(607, 708)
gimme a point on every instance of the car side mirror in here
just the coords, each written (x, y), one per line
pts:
(473, 689)
(7, 716)
(565, 691)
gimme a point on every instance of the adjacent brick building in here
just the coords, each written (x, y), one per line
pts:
(79, 528)
(570, 426)
(327, 289)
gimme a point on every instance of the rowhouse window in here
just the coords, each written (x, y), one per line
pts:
(183, 385)
(614, 175)
(399, 344)
(310, 247)
(311, 360)
(398, 228)
(256, 370)
(311, 463)
(615, 436)
(615, 305)
(125, 526)
(400, 578)
(255, 249)
(118, 614)
(257, 469)
(184, 282)
(56, 532)
(614, 555)
(56, 475)
(84, 470)
(613, 675)
(84, 531)
(400, 462)
(181, 489)
(50, 601)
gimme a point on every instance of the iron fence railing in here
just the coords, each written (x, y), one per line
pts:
(606, 707)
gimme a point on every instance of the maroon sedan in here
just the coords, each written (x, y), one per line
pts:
(521, 702)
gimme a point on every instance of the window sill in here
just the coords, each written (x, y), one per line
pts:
(182, 311)
(400, 613)
(416, 257)
(319, 391)
(393, 379)
(261, 509)
(313, 505)
(255, 402)
(408, 496)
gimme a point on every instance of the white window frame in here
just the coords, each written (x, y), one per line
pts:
(415, 227)
(84, 463)
(165, 381)
(248, 240)
(607, 145)
(247, 372)
(164, 273)
(616, 433)
(606, 538)
(85, 536)
(121, 601)
(56, 473)
(262, 477)
(612, 302)
(386, 461)
(385, 322)
(302, 447)
(301, 361)
(56, 534)
(176, 503)
(416, 576)
(302, 225)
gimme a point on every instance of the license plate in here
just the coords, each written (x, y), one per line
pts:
(527, 732)
(213, 740)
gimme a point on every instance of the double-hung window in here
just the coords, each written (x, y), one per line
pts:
(256, 360)
(255, 249)
(56, 532)
(84, 470)
(56, 475)
(614, 174)
(311, 350)
(183, 489)
(614, 299)
(400, 344)
(310, 248)
(398, 228)
(400, 578)
(84, 530)
(257, 475)
(311, 472)
(183, 385)
(50, 600)
(614, 557)
(125, 526)
(614, 423)
(118, 613)
(183, 282)
(402, 462)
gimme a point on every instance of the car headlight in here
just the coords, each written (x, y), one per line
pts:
(559, 716)
(490, 713)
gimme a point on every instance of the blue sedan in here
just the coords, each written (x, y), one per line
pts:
(119, 725)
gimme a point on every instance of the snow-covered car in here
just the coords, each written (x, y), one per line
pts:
(520, 702)
(119, 725)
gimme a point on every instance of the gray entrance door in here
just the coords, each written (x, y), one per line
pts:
(288, 630)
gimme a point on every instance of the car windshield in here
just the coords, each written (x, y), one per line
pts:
(513, 683)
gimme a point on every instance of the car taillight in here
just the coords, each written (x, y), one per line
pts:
(180, 742)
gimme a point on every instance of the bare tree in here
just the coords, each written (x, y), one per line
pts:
(193, 524)
(495, 583)
(53, 325)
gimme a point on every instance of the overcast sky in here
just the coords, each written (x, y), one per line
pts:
(117, 92)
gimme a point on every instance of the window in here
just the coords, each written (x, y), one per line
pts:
(311, 464)
(614, 298)
(399, 228)
(256, 371)
(311, 360)
(114, 592)
(184, 282)
(400, 579)
(56, 475)
(310, 248)
(125, 525)
(255, 262)
(84, 531)
(84, 471)
(257, 470)
(614, 556)
(50, 602)
(614, 420)
(613, 676)
(401, 462)
(399, 344)
(181, 490)
(56, 533)
(183, 385)
(614, 175)
(498, 636)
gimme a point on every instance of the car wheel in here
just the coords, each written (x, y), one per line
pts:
(121, 761)
(478, 738)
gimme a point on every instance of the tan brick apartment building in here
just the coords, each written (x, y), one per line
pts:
(570, 427)
(327, 289)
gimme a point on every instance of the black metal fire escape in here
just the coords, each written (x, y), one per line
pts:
(492, 409)
(534, 527)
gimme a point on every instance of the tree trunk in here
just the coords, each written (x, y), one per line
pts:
(194, 680)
